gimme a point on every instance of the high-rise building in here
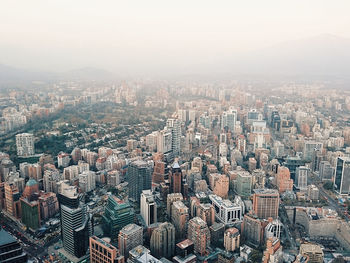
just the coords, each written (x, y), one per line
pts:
(171, 198)
(101, 251)
(148, 207)
(266, 203)
(231, 239)
(178, 182)
(283, 180)
(76, 225)
(219, 184)
(199, 233)
(48, 205)
(309, 148)
(273, 229)
(10, 249)
(313, 192)
(179, 217)
(342, 176)
(139, 177)
(174, 125)
(252, 230)
(12, 200)
(164, 141)
(163, 240)
(226, 211)
(118, 213)
(87, 181)
(25, 144)
(243, 185)
(30, 205)
(228, 120)
(159, 172)
(326, 171)
(301, 175)
(129, 237)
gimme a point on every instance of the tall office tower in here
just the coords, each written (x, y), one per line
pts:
(25, 144)
(326, 171)
(163, 240)
(10, 249)
(283, 180)
(118, 213)
(309, 148)
(266, 203)
(231, 239)
(342, 176)
(171, 198)
(129, 237)
(12, 196)
(159, 172)
(139, 177)
(175, 177)
(179, 217)
(76, 225)
(87, 181)
(30, 205)
(148, 207)
(174, 125)
(228, 120)
(252, 230)
(199, 233)
(301, 175)
(164, 141)
(178, 182)
(243, 185)
(101, 251)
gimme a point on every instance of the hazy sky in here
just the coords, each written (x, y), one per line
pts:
(146, 35)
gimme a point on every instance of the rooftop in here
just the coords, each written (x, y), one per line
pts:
(6, 238)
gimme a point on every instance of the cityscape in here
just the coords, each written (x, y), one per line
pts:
(104, 167)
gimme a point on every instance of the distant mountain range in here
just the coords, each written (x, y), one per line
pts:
(9, 75)
(321, 56)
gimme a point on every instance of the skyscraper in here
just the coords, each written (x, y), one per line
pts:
(179, 217)
(129, 237)
(266, 203)
(174, 125)
(25, 144)
(10, 249)
(163, 240)
(139, 177)
(118, 213)
(228, 120)
(301, 175)
(342, 176)
(199, 233)
(76, 225)
(243, 186)
(101, 251)
(231, 239)
(148, 207)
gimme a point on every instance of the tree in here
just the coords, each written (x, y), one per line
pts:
(328, 185)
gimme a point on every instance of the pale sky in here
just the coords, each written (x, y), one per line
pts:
(146, 35)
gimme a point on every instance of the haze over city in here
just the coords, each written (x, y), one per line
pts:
(174, 131)
(155, 38)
